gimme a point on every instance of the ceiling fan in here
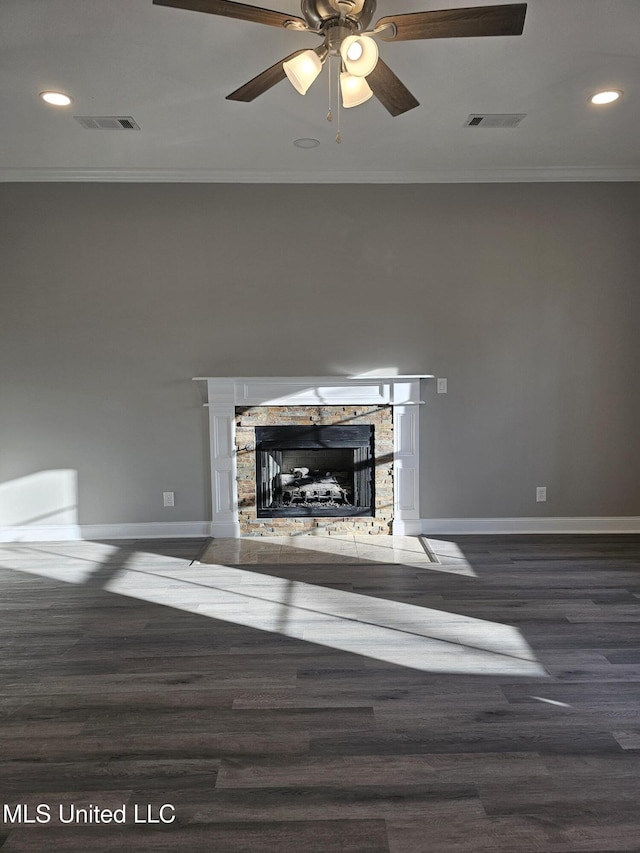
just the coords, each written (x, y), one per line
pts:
(342, 25)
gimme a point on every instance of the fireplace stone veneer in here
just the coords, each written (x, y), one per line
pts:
(378, 417)
(389, 405)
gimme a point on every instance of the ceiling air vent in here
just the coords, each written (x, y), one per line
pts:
(107, 122)
(494, 120)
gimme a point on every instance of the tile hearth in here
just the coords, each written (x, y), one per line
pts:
(319, 549)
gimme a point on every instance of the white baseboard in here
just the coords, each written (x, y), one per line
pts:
(41, 533)
(225, 529)
(73, 532)
(610, 524)
(424, 526)
(407, 527)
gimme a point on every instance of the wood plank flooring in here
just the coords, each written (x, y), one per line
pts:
(324, 697)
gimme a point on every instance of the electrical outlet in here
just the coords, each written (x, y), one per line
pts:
(168, 498)
(441, 386)
(541, 493)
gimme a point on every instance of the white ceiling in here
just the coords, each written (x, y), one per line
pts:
(171, 70)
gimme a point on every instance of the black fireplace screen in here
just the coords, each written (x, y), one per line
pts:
(314, 470)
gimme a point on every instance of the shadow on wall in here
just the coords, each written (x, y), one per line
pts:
(43, 498)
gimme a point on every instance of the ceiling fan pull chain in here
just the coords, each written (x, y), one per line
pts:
(329, 114)
(338, 134)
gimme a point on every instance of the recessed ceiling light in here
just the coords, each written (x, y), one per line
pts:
(58, 99)
(306, 143)
(607, 97)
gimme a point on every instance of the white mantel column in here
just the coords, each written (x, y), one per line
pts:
(222, 429)
(406, 472)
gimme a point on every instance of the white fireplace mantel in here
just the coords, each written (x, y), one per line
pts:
(223, 394)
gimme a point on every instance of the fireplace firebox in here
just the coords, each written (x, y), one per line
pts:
(314, 470)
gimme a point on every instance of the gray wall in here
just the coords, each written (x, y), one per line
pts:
(524, 296)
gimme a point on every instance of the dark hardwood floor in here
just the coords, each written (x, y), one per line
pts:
(130, 676)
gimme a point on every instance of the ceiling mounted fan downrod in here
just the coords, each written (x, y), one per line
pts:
(345, 7)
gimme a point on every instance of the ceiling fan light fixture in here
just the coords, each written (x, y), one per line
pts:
(302, 70)
(341, 23)
(355, 90)
(359, 55)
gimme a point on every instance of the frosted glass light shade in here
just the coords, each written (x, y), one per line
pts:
(302, 70)
(355, 90)
(359, 55)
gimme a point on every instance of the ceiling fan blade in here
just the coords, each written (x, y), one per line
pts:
(390, 90)
(228, 9)
(456, 23)
(258, 85)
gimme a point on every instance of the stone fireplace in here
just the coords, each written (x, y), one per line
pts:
(332, 455)
(301, 468)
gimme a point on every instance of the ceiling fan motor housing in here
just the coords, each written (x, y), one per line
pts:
(319, 13)
(334, 36)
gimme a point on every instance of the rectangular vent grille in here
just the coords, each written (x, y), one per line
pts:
(494, 120)
(107, 122)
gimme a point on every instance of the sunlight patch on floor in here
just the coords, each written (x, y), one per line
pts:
(71, 562)
(447, 557)
(551, 701)
(407, 635)
(418, 637)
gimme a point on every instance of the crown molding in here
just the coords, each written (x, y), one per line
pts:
(246, 176)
